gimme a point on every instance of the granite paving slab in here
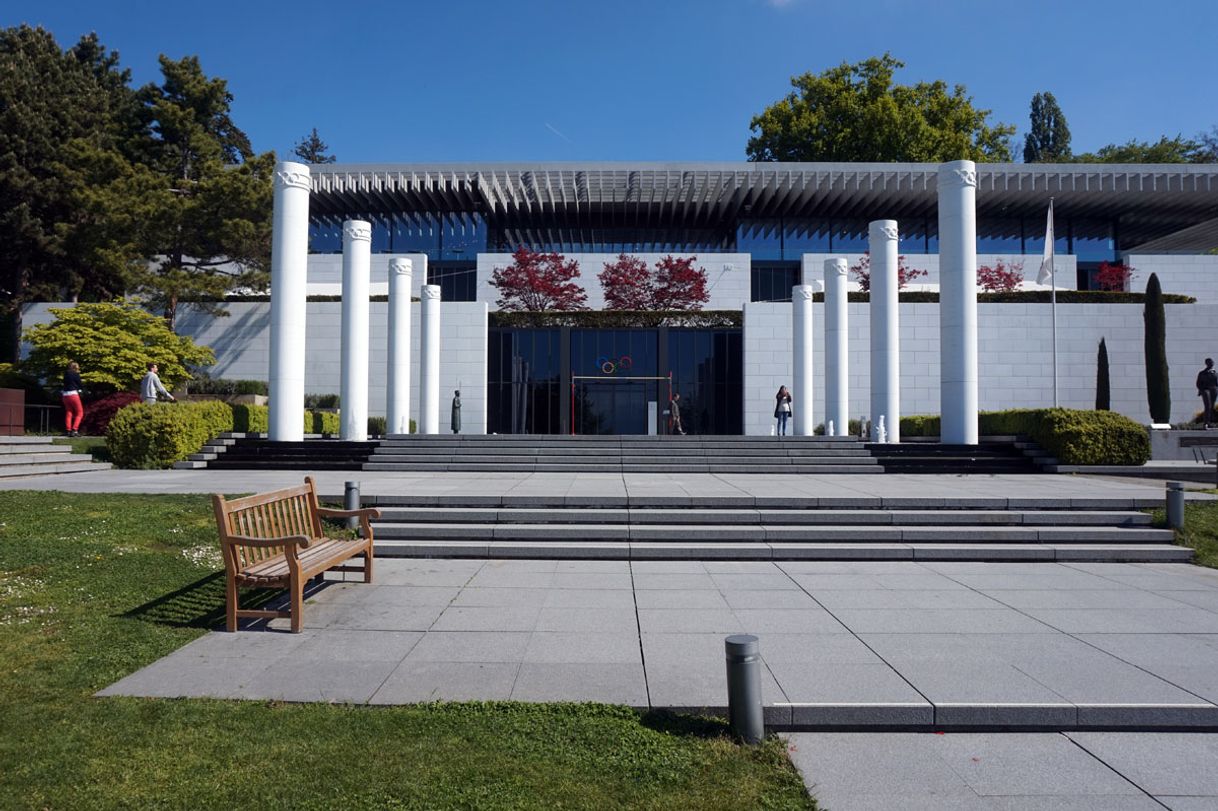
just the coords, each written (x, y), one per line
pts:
(895, 645)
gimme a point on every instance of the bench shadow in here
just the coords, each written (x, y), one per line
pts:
(201, 604)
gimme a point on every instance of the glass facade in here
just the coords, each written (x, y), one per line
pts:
(458, 281)
(772, 281)
(604, 381)
(461, 236)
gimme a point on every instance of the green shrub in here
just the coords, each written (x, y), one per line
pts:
(322, 422)
(260, 387)
(920, 425)
(155, 436)
(250, 419)
(1074, 437)
(312, 401)
(377, 426)
(854, 428)
(222, 387)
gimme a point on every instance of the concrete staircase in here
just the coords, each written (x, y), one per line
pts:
(623, 454)
(662, 528)
(37, 456)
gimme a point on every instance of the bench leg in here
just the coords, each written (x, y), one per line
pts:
(297, 587)
(230, 604)
(368, 566)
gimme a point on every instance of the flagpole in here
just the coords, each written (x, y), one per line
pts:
(1053, 303)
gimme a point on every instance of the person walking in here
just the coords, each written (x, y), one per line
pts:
(73, 410)
(1207, 387)
(675, 407)
(151, 387)
(782, 409)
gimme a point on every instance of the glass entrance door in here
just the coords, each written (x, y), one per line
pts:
(614, 406)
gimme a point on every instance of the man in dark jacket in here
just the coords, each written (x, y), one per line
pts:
(1207, 387)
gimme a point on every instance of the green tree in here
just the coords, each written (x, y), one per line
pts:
(312, 149)
(113, 343)
(1165, 150)
(856, 113)
(205, 207)
(1158, 384)
(63, 114)
(1103, 383)
(1049, 139)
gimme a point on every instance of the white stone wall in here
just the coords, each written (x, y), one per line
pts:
(1195, 276)
(1067, 269)
(1014, 351)
(727, 276)
(325, 273)
(242, 343)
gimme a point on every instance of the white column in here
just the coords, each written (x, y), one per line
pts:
(801, 360)
(958, 302)
(429, 360)
(885, 331)
(353, 388)
(289, 283)
(837, 349)
(397, 381)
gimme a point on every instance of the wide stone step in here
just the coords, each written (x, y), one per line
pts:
(25, 448)
(1130, 553)
(52, 453)
(768, 517)
(708, 533)
(1039, 505)
(85, 465)
(641, 451)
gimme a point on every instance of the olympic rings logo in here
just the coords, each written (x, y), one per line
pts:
(610, 365)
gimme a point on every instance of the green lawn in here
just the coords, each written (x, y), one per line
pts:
(94, 587)
(95, 446)
(1200, 530)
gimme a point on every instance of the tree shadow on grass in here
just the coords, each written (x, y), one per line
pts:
(694, 726)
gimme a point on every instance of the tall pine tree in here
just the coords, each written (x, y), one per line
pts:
(312, 149)
(1049, 139)
(1103, 383)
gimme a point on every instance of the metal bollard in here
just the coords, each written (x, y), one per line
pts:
(744, 687)
(1175, 505)
(351, 501)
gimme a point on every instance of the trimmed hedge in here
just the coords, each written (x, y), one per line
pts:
(1074, 437)
(256, 419)
(155, 436)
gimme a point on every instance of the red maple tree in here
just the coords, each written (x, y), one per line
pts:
(538, 281)
(1001, 278)
(1114, 276)
(905, 275)
(627, 284)
(675, 285)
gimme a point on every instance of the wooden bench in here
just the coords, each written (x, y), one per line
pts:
(275, 540)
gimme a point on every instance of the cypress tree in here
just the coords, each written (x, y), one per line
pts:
(1158, 386)
(1103, 388)
(1049, 139)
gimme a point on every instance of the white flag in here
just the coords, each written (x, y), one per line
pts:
(1046, 265)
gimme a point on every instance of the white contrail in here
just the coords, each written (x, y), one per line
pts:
(551, 128)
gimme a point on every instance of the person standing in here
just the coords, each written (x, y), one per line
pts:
(151, 387)
(1207, 387)
(456, 413)
(674, 406)
(782, 409)
(73, 410)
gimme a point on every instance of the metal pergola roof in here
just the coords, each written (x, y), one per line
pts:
(1147, 201)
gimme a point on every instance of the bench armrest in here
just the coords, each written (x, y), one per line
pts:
(301, 541)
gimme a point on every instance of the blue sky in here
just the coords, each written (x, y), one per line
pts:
(480, 80)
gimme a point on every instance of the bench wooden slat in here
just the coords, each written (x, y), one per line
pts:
(281, 514)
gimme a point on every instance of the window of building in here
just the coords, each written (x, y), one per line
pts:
(458, 281)
(761, 239)
(772, 281)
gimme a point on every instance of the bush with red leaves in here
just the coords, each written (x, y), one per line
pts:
(99, 413)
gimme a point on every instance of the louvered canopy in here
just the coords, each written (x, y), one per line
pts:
(1145, 201)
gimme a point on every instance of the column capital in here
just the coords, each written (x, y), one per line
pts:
(402, 267)
(958, 175)
(292, 175)
(801, 292)
(884, 230)
(357, 231)
(430, 291)
(836, 267)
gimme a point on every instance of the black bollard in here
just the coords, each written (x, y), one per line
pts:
(744, 688)
(351, 502)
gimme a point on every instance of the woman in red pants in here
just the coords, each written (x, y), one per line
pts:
(74, 412)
